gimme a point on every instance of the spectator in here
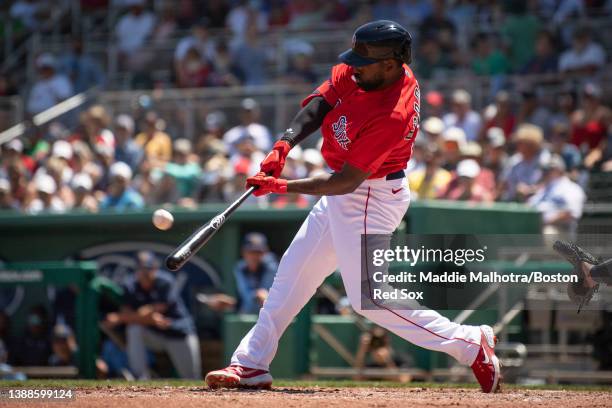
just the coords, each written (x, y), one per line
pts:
(209, 141)
(126, 149)
(200, 41)
(156, 143)
(464, 187)
(132, 32)
(121, 196)
(485, 178)
(437, 25)
(590, 122)
(64, 347)
(503, 116)
(157, 319)
(51, 87)
(95, 128)
(28, 12)
(559, 199)
(559, 144)
(313, 162)
(183, 171)
(488, 59)
(433, 127)
(251, 56)
(430, 181)
(545, 60)
(434, 104)
(243, 15)
(533, 111)
(432, 62)
(585, 56)
(495, 157)
(249, 117)
(33, 347)
(520, 30)
(13, 151)
(82, 186)
(81, 68)
(453, 142)
(300, 70)
(46, 196)
(224, 70)
(376, 344)
(520, 179)
(7, 202)
(462, 115)
(193, 71)
(254, 273)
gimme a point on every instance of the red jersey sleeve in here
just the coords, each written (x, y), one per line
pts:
(376, 142)
(333, 88)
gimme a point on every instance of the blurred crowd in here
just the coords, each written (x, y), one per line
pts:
(237, 42)
(524, 146)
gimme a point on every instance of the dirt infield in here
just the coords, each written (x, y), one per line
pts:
(184, 396)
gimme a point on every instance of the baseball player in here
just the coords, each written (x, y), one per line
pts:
(368, 112)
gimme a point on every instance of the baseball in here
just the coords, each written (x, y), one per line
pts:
(162, 219)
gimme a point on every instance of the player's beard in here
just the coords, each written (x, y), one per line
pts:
(370, 85)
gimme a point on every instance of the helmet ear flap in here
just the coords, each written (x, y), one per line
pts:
(404, 53)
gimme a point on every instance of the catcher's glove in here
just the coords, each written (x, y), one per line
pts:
(582, 291)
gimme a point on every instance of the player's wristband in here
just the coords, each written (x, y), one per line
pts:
(289, 137)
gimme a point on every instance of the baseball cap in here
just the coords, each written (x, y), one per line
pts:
(182, 145)
(215, 120)
(468, 168)
(496, 137)
(454, 134)
(120, 169)
(433, 125)
(45, 184)
(61, 332)
(62, 149)
(81, 181)
(255, 241)
(15, 145)
(313, 156)
(295, 153)
(249, 104)
(125, 121)
(471, 149)
(461, 96)
(5, 185)
(45, 60)
(434, 98)
(592, 90)
(553, 162)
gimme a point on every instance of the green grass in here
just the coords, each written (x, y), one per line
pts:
(100, 384)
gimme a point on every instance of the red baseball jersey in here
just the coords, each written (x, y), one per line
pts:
(373, 131)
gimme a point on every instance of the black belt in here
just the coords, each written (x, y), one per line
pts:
(396, 175)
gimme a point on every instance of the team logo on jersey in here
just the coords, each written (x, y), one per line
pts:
(339, 128)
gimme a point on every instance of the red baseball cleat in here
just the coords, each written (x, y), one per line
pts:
(236, 376)
(486, 367)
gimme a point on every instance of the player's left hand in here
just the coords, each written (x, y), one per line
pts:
(267, 184)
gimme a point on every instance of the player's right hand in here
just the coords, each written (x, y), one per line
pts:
(275, 160)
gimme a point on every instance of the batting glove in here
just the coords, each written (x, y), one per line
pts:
(267, 184)
(275, 160)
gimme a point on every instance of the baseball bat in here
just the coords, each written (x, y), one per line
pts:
(202, 235)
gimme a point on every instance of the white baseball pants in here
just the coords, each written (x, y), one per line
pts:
(330, 238)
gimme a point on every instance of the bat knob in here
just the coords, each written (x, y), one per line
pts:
(173, 263)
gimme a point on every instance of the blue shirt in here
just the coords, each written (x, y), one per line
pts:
(163, 291)
(130, 199)
(248, 282)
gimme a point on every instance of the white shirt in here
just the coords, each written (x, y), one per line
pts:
(46, 93)
(206, 48)
(260, 133)
(470, 124)
(592, 55)
(132, 31)
(559, 195)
